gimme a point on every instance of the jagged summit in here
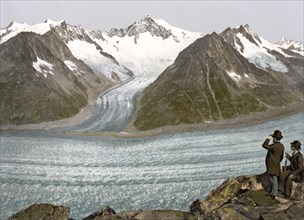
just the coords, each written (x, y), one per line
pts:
(245, 31)
(146, 24)
(254, 48)
(289, 44)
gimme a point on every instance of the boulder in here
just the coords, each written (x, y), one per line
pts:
(297, 191)
(245, 198)
(42, 212)
(164, 215)
(128, 214)
(228, 190)
(105, 213)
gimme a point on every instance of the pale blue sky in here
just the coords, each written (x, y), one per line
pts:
(269, 19)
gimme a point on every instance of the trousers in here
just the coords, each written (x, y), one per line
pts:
(274, 189)
(286, 181)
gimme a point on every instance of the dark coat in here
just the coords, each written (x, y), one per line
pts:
(274, 157)
(296, 165)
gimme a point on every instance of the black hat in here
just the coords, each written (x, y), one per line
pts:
(296, 145)
(277, 134)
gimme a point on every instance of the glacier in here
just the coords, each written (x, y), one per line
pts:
(164, 172)
(147, 58)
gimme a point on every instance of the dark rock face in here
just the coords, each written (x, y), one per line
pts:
(36, 85)
(208, 81)
(42, 212)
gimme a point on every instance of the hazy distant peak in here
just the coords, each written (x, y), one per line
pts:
(289, 44)
(285, 41)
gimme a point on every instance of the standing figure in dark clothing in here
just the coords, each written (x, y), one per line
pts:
(274, 157)
(293, 172)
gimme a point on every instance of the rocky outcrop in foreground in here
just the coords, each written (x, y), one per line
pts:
(244, 198)
(237, 198)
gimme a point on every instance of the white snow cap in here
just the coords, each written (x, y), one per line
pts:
(15, 28)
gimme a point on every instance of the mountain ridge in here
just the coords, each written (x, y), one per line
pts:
(86, 49)
(115, 59)
(211, 80)
(35, 70)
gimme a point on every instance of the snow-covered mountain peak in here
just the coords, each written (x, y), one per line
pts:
(147, 19)
(254, 48)
(15, 28)
(14, 24)
(295, 46)
(247, 32)
(145, 25)
(147, 46)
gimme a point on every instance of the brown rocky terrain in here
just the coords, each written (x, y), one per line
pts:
(52, 93)
(236, 198)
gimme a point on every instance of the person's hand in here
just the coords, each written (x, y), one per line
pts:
(287, 155)
(291, 176)
(270, 138)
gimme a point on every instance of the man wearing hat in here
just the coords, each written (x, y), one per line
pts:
(293, 172)
(274, 156)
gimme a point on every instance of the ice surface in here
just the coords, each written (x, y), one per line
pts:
(147, 59)
(114, 109)
(166, 172)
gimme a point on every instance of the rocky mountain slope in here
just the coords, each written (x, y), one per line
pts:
(49, 71)
(219, 77)
(237, 198)
(41, 80)
(142, 50)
